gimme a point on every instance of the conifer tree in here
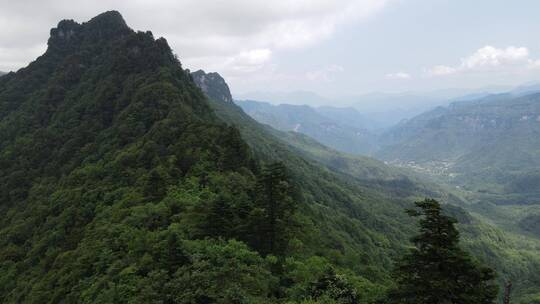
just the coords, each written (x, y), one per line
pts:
(273, 216)
(437, 270)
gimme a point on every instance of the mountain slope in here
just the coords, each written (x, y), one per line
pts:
(325, 125)
(122, 183)
(112, 162)
(381, 190)
(489, 145)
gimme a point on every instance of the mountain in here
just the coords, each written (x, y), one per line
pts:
(123, 183)
(213, 85)
(116, 175)
(327, 125)
(2, 73)
(294, 97)
(526, 89)
(383, 109)
(487, 148)
(489, 145)
(503, 246)
(347, 116)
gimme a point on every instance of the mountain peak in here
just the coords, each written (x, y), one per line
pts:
(213, 85)
(110, 20)
(63, 33)
(105, 26)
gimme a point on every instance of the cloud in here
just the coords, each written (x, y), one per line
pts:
(238, 35)
(441, 70)
(325, 74)
(398, 76)
(489, 59)
(13, 56)
(535, 64)
(489, 56)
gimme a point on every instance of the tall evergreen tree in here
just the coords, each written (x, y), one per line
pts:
(273, 217)
(437, 270)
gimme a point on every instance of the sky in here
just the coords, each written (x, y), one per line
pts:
(329, 47)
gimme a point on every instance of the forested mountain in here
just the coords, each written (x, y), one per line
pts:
(490, 145)
(123, 183)
(120, 184)
(506, 250)
(329, 126)
(213, 85)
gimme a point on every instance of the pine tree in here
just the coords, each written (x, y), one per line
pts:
(273, 216)
(437, 270)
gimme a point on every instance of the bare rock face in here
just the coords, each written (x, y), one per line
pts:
(213, 85)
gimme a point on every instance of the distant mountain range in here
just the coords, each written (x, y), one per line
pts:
(490, 145)
(126, 178)
(341, 128)
(484, 145)
(368, 173)
(383, 109)
(351, 130)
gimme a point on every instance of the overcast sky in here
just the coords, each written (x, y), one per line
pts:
(331, 47)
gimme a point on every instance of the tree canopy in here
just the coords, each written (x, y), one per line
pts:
(437, 270)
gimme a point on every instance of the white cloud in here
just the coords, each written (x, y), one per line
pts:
(489, 56)
(248, 61)
(535, 64)
(398, 76)
(440, 70)
(325, 74)
(238, 35)
(489, 59)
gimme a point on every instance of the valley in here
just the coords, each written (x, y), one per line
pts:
(483, 151)
(128, 178)
(496, 224)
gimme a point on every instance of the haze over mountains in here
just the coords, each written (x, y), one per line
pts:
(349, 129)
(489, 145)
(122, 182)
(383, 109)
(129, 179)
(342, 129)
(483, 141)
(522, 220)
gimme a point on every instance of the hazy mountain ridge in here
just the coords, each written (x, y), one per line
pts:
(327, 125)
(492, 142)
(381, 110)
(123, 183)
(367, 174)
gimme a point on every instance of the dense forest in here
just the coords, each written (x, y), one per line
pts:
(122, 182)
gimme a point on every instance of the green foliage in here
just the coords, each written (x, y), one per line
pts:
(437, 270)
(272, 219)
(354, 216)
(122, 183)
(335, 287)
(118, 182)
